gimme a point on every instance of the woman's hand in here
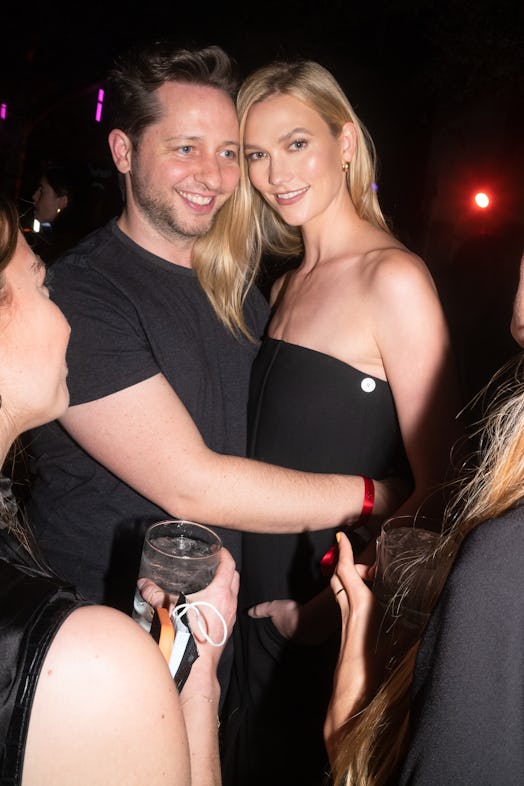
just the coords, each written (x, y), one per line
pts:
(284, 614)
(306, 624)
(200, 696)
(222, 593)
(360, 665)
(154, 595)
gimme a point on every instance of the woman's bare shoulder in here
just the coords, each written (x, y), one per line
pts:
(105, 708)
(92, 631)
(396, 265)
(392, 253)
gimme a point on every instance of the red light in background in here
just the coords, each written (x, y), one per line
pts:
(3, 111)
(481, 200)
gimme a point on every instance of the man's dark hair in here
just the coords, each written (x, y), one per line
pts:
(142, 69)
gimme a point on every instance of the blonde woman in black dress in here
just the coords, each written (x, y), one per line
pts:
(355, 375)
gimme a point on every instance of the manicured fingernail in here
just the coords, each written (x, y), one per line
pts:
(338, 536)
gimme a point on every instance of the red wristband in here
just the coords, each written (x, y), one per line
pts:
(369, 498)
(329, 560)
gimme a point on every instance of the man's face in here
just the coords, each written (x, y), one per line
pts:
(186, 165)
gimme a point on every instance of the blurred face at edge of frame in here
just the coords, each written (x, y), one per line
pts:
(34, 335)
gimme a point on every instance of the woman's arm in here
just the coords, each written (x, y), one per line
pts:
(517, 317)
(201, 693)
(414, 343)
(361, 663)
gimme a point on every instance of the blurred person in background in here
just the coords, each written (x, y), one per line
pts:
(60, 216)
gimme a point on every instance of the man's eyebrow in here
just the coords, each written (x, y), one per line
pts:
(192, 138)
(184, 138)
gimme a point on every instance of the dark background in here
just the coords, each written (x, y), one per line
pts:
(438, 84)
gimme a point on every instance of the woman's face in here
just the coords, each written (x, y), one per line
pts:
(33, 340)
(294, 160)
(47, 203)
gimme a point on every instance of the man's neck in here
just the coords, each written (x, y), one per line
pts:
(147, 237)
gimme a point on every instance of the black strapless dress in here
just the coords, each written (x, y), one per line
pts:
(312, 412)
(308, 411)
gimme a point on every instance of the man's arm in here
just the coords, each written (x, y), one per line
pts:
(146, 437)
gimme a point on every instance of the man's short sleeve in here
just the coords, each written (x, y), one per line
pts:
(108, 351)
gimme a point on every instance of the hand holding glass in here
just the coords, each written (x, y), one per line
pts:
(410, 569)
(178, 556)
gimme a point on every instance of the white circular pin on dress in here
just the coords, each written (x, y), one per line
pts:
(368, 385)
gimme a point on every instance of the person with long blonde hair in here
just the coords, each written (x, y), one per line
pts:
(450, 710)
(355, 374)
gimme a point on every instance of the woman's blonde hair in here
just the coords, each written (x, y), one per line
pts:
(371, 746)
(227, 259)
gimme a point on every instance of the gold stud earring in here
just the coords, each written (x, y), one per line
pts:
(345, 166)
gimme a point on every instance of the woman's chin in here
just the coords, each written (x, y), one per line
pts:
(63, 402)
(56, 409)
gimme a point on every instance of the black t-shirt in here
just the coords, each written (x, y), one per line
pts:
(132, 315)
